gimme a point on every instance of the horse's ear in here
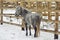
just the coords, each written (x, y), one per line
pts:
(21, 9)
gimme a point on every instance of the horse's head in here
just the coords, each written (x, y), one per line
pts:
(18, 11)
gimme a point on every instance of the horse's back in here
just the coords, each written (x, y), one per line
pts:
(32, 18)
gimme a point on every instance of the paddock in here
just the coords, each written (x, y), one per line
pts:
(49, 9)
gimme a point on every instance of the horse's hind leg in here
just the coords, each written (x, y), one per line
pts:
(38, 29)
(30, 30)
(26, 29)
(35, 28)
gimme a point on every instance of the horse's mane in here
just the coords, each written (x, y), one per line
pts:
(26, 9)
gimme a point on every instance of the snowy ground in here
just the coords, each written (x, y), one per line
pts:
(11, 32)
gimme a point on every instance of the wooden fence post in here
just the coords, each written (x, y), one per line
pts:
(56, 27)
(1, 12)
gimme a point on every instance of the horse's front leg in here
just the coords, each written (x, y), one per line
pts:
(23, 25)
(26, 29)
(30, 30)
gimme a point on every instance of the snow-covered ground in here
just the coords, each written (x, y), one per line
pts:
(12, 32)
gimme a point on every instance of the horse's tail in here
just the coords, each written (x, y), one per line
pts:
(38, 24)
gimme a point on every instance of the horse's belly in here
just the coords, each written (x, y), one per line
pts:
(31, 21)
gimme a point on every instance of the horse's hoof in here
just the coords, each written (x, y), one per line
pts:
(26, 34)
(30, 34)
(23, 29)
(35, 36)
(1, 23)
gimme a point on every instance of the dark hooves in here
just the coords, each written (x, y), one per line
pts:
(35, 35)
(23, 29)
(30, 34)
(1, 23)
(26, 34)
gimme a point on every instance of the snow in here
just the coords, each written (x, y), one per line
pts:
(13, 20)
(11, 32)
(7, 11)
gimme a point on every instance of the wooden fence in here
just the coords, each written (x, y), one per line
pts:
(41, 7)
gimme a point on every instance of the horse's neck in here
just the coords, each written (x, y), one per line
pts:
(24, 14)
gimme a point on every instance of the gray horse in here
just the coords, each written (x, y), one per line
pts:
(31, 19)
